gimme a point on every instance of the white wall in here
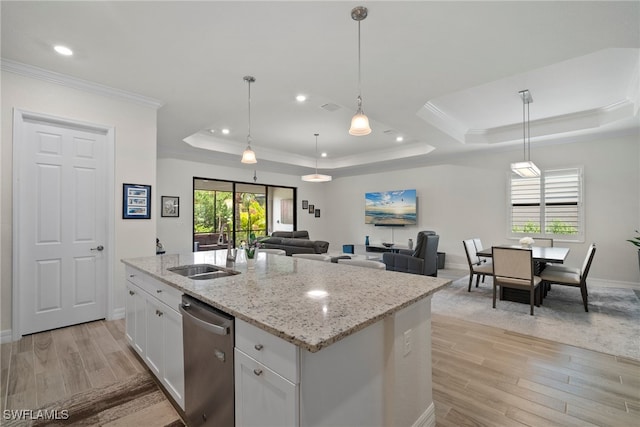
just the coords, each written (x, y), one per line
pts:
(135, 162)
(466, 198)
(175, 178)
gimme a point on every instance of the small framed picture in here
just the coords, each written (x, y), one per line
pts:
(170, 206)
(311, 209)
(305, 204)
(317, 213)
(136, 201)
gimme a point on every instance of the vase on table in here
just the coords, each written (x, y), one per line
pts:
(251, 263)
(410, 243)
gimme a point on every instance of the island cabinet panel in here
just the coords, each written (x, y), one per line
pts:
(154, 330)
(263, 398)
(135, 315)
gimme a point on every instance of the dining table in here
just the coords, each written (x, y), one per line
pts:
(541, 256)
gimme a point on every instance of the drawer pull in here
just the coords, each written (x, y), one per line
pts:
(258, 372)
(132, 275)
(158, 290)
(159, 313)
(131, 293)
(258, 347)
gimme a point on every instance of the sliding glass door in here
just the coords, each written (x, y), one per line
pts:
(237, 211)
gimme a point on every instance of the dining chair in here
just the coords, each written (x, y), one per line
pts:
(568, 276)
(478, 244)
(543, 242)
(363, 263)
(513, 268)
(273, 251)
(317, 257)
(477, 266)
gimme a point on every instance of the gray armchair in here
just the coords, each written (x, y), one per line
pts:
(424, 260)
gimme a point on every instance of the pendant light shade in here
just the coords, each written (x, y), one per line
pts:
(359, 122)
(249, 156)
(526, 168)
(316, 177)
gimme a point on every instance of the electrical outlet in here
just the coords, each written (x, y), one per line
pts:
(407, 341)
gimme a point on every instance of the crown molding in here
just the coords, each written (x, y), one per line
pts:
(76, 83)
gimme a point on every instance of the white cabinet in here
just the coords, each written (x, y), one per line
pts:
(263, 398)
(266, 378)
(154, 329)
(135, 314)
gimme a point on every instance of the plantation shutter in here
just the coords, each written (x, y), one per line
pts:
(562, 202)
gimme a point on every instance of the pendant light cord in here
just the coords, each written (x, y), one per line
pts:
(316, 134)
(249, 110)
(359, 70)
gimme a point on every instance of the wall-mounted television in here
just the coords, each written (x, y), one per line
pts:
(391, 208)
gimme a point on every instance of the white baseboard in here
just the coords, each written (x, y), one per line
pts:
(6, 336)
(428, 417)
(117, 313)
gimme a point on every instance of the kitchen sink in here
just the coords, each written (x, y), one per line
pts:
(202, 271)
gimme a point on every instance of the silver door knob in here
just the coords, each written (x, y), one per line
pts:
(98, 248)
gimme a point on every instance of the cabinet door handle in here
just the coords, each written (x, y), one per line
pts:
(159, 313)
(158, 290)
(257, 371)
(131, 293)
(258, 347)
(132, 275)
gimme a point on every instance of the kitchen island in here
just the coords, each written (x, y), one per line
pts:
(360, 338)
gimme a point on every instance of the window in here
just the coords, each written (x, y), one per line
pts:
(547, 206)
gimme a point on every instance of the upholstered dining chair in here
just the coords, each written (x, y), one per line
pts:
(568, 276)
(317, 257)
(363, 263)
(513, 268)
(478, 244)
(477, 267)
(543, 242)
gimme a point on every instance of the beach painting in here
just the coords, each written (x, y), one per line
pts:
(391, 208)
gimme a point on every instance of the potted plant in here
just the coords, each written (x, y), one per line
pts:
(636, 241)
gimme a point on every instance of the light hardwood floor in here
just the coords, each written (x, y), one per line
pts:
(482, 376)
(50, 366)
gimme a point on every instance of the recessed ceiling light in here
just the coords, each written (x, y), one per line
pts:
(301, 98)
(323, 155)
(399, 139)
(63, 50)
(225, 131)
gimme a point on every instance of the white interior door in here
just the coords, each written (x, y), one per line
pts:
(61, 224)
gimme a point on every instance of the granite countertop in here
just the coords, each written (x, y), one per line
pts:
(309, 303)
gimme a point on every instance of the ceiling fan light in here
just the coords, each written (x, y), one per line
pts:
(316, 177)
(525, 169)
(359, 125)
(249, 156)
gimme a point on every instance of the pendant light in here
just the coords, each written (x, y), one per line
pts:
(316, 177)
(526, 168)
(359, 122)
(248, 156)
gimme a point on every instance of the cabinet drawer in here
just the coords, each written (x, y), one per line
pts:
(275, 353)
(163, 292)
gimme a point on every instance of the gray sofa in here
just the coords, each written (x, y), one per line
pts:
(294, 242)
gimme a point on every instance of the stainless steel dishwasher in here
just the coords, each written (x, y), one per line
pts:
(208, 337)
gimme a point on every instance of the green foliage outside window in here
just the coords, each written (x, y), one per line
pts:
(210, 209)
(556, 227)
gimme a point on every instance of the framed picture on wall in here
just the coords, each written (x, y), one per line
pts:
(136, 201)
(311, 209)
(305, 204)
(317, 213)
(170, 206)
